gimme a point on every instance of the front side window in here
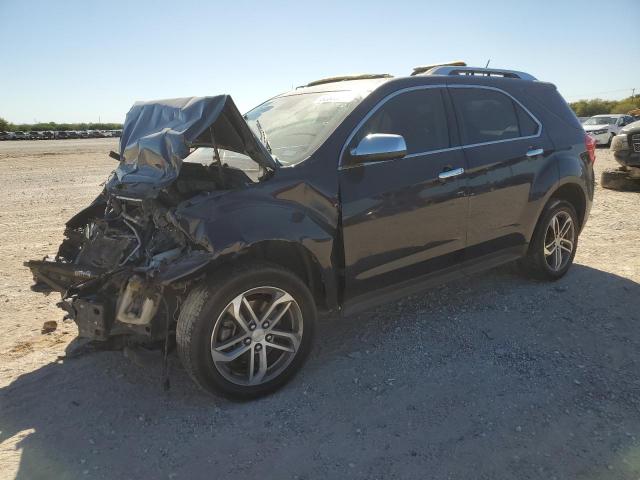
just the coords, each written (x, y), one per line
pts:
(490, 116)
(418, 115)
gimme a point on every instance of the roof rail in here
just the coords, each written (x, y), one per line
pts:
(477, 71)
(344, 78)
(424, 68)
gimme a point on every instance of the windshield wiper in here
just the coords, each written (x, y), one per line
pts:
(263, 136)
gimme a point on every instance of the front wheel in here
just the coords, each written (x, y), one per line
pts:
(554, 242)
(246, 331)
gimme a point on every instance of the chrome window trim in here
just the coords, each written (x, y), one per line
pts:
(384, 100)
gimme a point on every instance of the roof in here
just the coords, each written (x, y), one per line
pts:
(344, 78)
(365, 85)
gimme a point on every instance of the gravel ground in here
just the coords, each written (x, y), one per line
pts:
(492, 377)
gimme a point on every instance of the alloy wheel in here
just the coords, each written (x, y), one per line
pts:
(559, 241)
(256, 336)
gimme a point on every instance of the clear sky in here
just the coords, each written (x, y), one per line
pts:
(80, 60)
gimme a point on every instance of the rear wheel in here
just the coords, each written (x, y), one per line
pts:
(554, 242)
(247, 331)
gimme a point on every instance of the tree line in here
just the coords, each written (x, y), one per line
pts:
(6, 126)
(597, 106)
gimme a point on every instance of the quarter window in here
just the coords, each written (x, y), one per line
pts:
(527, 125)
(489, 116)
(419, 116)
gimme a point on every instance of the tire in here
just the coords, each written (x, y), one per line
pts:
(212, 318)
(619, 180)
(610, 140)
(540, 261)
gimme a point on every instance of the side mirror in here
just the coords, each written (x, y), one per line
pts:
(377, 147)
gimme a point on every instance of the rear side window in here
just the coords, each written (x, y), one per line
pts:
(489, 116)
(419, 116)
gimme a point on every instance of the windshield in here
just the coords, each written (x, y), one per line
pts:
(600, 121)
(295, 125)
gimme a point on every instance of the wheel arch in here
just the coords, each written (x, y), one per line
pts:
(291, 256)
(570, 190)
(575, 195)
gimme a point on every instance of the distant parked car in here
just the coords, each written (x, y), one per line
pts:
(48, 135)
(20, 135)
(6, 135)
(35, 135)
(604, 127)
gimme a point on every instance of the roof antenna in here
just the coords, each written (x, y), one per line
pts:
(487, 65)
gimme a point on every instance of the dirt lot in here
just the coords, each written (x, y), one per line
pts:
(492, 377)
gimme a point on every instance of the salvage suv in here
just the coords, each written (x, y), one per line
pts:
(232, 232)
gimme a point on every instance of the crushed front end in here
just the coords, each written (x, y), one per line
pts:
(127, 261)
(118, 268)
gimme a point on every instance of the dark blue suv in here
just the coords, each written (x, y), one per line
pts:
(230, 232)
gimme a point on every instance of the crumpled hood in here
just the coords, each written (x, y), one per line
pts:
(157, 136)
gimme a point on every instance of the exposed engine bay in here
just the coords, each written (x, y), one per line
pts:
(127, 261)
(113, 268)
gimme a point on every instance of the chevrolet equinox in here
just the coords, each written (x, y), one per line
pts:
(230, 232)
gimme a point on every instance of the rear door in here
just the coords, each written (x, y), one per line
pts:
(505, 149)
(399, 220)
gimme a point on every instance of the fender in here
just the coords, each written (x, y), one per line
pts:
(568, 171)
(230, 224)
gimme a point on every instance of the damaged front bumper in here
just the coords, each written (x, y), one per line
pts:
(113, 282)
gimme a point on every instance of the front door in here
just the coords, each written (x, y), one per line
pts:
(400, 221)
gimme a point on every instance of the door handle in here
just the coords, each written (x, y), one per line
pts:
(534, 152)
(454, 172)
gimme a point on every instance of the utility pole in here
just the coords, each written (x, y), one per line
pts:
(633, 93)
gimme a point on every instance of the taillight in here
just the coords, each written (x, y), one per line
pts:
(590, 143)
